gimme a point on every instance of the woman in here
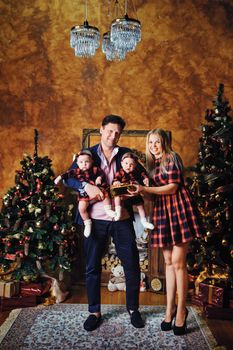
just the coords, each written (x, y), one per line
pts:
(175, 223)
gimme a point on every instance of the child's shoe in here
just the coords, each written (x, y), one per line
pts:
(147, 224)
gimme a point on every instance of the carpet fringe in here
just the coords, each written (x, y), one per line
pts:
(8, 323)
(206, 332)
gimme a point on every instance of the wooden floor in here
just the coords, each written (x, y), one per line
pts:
(221, 329)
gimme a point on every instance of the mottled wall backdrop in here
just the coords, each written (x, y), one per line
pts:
(169, 81)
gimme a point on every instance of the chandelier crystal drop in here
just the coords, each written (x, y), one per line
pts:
(125, 33)
(110, 51)
(85, 40)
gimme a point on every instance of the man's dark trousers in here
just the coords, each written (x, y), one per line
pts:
(123, 235)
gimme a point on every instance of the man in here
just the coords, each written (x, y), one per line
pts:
(107, 155)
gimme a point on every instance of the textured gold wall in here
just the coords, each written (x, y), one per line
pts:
(169, 81)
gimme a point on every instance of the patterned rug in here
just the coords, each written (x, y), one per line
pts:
(60, 327)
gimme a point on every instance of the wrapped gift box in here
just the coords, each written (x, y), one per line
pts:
(197, 300)
(118, 190)
(35, 288)
(9, 289)
(20, 301)
(218, 312)
(212, 294)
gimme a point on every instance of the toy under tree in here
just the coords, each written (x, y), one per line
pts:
(36, 231)
(212, 187)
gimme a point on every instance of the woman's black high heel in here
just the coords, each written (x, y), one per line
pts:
(167, 326)
(181, 330)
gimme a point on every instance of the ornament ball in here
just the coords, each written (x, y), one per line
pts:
(39, 224)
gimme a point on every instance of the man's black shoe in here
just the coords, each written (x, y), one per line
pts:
(92, 322)
(136, 319)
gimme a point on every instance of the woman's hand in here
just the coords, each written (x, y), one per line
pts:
(137, 189)
(116, 183)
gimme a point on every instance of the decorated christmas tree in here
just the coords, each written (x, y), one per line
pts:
(36, 231)
(212, 187)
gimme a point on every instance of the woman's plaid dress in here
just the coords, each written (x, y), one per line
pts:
(175, 217)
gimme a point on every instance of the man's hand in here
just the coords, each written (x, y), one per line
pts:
(94, 192)
(74, 157)
(98, 180)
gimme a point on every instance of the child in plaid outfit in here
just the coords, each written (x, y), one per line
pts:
(128, 174)
(175, 220)
(87, 173)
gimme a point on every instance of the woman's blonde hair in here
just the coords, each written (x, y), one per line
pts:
(167, 153)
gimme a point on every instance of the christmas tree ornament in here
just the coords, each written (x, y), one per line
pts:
(218, 224)
(203, 168)
(56, 227)
(38, 185)
(204, 128)
(39, 224)
(63, 231)
(7, 202)
(38, 265)
(26, 248)
(41, 245)
(31, 208)
(37, 211)
(224, 241)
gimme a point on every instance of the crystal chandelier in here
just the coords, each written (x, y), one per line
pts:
(112, 54)
(84, 39)
(125, 32)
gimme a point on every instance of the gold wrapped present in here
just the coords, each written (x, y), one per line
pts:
(118, 190)
(212, 292)
(9, 289)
